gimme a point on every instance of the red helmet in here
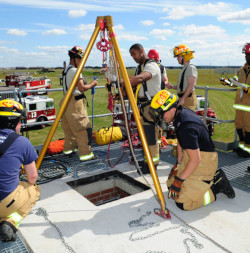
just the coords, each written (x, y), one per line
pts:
(246, 49)
(154, 54)
(76, 51)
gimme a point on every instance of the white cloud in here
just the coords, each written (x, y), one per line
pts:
(8, 50)
(86, 27)
(203, 31)
(77, 13)
(161, 33)
(131, 37)
(119, 27)
(147, 22)
(54, 32)
(85, 36)
(209, 9)
(179, 13)
(242, 17)
(166, 24)
(16, 32)
(57, 49)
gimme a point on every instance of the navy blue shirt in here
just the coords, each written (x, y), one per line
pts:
(20, 152)
(191, 131)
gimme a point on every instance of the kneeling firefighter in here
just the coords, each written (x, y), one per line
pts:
(16, 197)
(196, 181)
(75, 121)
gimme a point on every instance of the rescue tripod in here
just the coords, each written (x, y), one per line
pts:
(105, 23)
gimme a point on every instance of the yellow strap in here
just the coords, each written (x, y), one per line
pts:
(136, 92)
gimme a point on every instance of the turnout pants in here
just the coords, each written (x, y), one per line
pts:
(18, 204)
(195, 191)
(191, 102)
(76, 127)
(152, 134)
(242, 120)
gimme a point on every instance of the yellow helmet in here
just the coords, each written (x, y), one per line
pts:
(162, 102)
(185, 51)
(11, 108)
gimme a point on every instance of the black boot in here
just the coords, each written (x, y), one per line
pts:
(144, 168)
(7, 231)
(243, 154)
(221, 184)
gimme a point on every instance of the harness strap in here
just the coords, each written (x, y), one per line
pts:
(7, 143)
(144, 83)
(64, 76)
(182, 78)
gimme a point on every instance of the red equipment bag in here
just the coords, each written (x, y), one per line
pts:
(55, 147)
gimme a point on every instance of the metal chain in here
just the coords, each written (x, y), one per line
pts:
(183, 229)
(42, 212)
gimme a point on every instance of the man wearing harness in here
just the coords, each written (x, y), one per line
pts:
(147, 79)
(75, 121)
(187, 78)
(196, 182)
(186, 84)
(16, 198)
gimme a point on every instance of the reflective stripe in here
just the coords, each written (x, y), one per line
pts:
(243, 147)
(207, 198)
(16, 217)
(242, 107)
(86, 157)
(155, 159)
(68, 152)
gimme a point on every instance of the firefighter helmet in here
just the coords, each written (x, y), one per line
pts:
(77, 52)
(162, 102)
(154, 54)
(246, 49)
(185, 51)
(12, 109)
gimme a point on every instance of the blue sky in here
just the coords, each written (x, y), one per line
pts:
(40, 32)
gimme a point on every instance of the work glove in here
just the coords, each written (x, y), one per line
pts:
(225, 81)
(174, 171)
(175, 188)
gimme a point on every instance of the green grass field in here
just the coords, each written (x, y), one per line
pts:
(220, 102)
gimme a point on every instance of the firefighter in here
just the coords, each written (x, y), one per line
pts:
(16, 198)
(75, 121)
(196, 182)
(242, 106)
(154, 54)
(186, 84)
(147, 81)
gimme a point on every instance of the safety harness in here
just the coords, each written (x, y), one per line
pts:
(7, 143)
(182, 82)
(65, 87)
(146, 100)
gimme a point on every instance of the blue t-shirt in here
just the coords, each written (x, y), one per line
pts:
(20, 152)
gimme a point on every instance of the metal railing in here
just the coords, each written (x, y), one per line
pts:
(18, 93)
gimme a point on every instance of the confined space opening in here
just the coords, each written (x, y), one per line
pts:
(106, 187)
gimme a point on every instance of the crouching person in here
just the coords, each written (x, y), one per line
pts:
(196, 181)
(16, 198)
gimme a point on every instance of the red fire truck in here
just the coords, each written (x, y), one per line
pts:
(27, 82)
(39, 109)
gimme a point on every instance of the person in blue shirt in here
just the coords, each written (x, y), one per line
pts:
(16, 197)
